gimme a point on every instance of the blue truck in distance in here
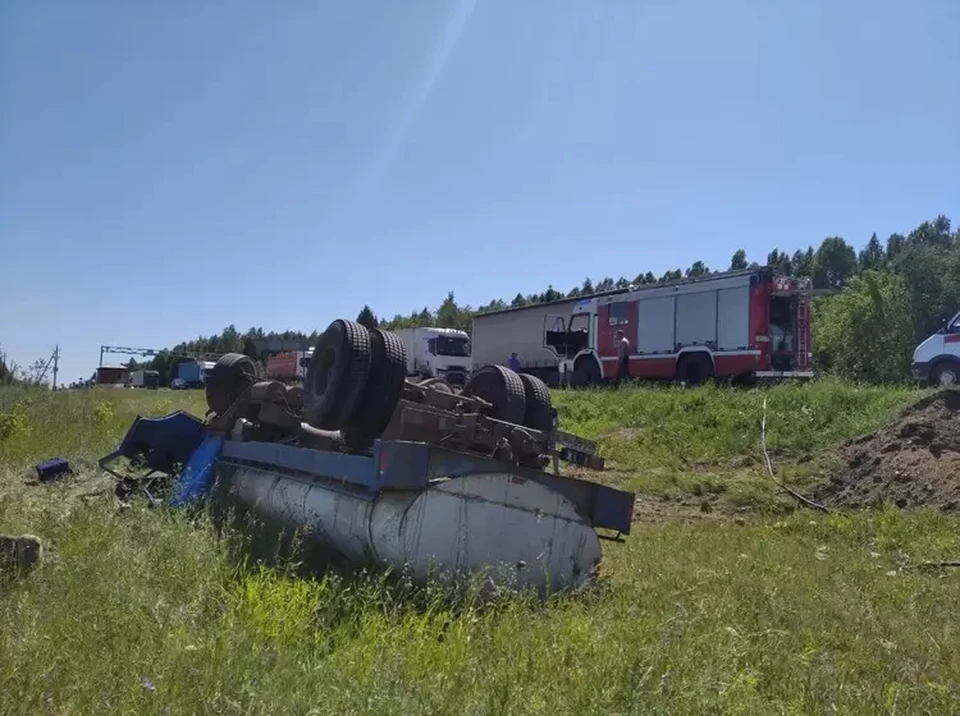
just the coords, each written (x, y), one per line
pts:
(193, 374)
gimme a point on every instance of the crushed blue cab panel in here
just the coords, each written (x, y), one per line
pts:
(198, 474)
(159, 444)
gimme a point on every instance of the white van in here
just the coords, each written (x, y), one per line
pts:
(937, 359)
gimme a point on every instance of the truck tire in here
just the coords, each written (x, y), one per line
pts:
(337, 375)
(586, 373)
(695, 368)
(388, 372)
(945, 374)
(539, 413)
(231, 375)
(501, 387)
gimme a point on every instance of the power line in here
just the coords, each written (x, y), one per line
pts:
(153, 353)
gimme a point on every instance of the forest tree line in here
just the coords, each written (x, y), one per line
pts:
(888, 296)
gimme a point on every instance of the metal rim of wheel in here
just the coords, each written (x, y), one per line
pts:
(948, 377)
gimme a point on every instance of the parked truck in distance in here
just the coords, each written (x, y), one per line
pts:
(193, 373)
(437, 353)
(735, 325)
(288, 367)
(144, 379)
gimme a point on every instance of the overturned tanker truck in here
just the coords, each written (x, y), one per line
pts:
(378, 469)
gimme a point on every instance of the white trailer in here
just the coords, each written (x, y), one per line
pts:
(437, 353)
(499, 334)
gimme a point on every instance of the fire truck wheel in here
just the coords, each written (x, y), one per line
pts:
(337, 375)
(231, 375)
(695, 369)
(586, 373)
(539, 413)
(388, 371)
(501, 387)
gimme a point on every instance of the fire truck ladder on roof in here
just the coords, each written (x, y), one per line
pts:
(803, 326)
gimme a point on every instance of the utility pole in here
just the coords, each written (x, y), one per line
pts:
(56, 364)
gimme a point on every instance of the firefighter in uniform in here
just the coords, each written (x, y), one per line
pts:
(623, 357)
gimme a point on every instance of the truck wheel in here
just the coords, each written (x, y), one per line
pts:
(945, 374)
(295, 398)
(695, 369)
(337, 375)
(388, 371)
(231, 375)
(501, 387)
(539, 413)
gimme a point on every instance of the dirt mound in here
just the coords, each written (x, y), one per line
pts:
(913, 462)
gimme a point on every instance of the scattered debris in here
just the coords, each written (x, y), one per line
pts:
(20, 552)
(53, 469)
(912, 462)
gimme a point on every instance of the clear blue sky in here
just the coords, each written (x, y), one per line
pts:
(169, 168)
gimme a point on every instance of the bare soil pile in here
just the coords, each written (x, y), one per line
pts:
(913, 462)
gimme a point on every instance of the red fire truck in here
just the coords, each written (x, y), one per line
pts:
(741, 324)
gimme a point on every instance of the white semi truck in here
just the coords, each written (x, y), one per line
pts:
(437, 353)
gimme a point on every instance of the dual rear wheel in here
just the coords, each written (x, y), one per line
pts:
(356, 376)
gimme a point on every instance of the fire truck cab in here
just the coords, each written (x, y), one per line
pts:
(735, 325)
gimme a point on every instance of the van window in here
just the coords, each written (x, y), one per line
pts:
(432, 346)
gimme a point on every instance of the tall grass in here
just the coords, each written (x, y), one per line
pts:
(143, 611)
(82, 424)
(676, 426)
(677, 442)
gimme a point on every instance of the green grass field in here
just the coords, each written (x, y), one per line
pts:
(723, 599)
